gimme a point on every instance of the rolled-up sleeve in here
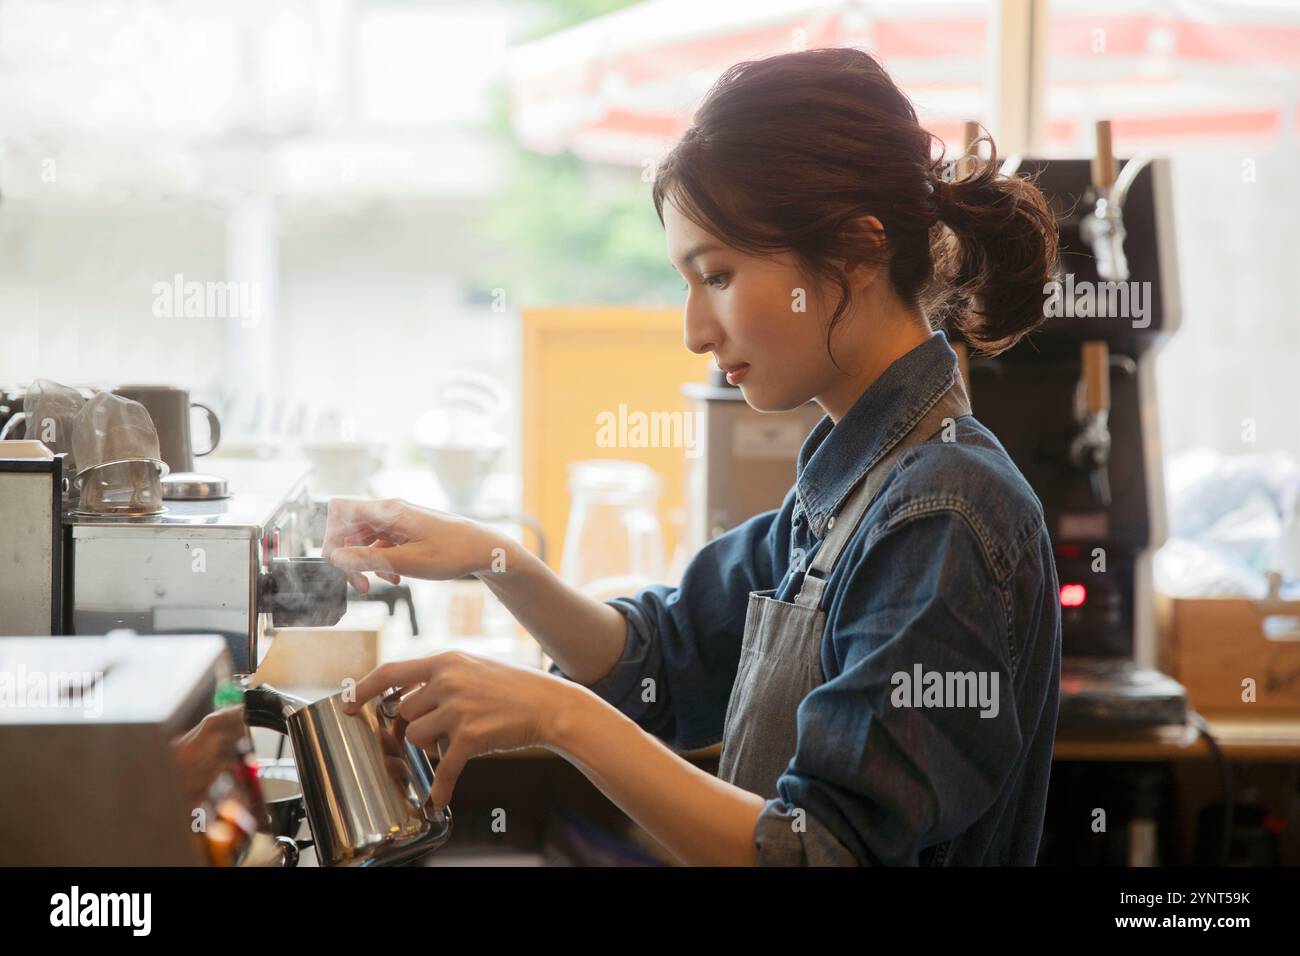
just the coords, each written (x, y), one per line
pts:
(682, 648)
(875, 778)
(625, 686)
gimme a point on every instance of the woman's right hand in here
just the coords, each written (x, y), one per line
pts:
(393, 538)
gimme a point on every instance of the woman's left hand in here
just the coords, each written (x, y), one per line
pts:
(471, 705)
(208, 750)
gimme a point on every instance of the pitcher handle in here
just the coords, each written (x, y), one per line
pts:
(214, 429)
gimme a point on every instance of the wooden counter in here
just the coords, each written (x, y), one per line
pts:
(1275, 738)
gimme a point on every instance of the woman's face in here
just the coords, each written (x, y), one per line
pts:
(755, 314)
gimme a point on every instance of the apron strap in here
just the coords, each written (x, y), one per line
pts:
(953, 404)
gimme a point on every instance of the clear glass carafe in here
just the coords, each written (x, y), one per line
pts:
(613, 543)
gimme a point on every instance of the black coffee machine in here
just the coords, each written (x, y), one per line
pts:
(1075, 406)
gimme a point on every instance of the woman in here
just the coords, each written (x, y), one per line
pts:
(880, 657)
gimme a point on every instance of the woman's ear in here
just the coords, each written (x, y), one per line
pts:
(867, 234)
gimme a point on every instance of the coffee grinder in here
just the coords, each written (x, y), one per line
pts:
(1074, 404)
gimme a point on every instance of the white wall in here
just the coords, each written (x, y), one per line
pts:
(372, 303)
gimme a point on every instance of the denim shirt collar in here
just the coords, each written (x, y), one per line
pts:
(835, 457)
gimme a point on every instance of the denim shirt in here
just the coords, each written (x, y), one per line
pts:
(950, 571)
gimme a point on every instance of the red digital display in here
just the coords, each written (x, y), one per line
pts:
(1073, 595)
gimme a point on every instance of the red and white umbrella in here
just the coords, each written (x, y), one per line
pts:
(620, 88)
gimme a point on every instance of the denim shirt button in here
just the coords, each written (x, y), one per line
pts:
(830, 522)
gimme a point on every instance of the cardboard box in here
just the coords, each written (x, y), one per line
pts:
(1227, 650)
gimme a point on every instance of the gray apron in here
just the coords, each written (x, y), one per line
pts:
(780, 656)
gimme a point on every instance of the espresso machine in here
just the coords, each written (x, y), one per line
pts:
(222, 566)
(210, 564)
(196, 585)
(228, 560)
(1074, 404)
